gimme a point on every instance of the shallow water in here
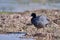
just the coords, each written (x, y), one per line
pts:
(17, 6)
(14, 36)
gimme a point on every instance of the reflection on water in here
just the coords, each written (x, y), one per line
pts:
(14, 36)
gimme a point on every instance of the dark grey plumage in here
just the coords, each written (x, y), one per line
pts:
(39, 21)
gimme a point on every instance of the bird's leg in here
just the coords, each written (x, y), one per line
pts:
(36, 31)
(43, 29)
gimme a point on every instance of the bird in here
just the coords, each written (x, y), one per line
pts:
(39, 21)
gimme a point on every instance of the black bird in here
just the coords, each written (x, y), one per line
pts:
(39, 21)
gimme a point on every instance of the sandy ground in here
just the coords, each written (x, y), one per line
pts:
(21, 22)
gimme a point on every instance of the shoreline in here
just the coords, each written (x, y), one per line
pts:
(16, 22)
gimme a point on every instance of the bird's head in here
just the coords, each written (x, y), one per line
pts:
(33, 15)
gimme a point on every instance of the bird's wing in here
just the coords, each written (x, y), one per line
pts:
(42, 20)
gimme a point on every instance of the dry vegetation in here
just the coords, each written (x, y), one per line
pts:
(21, 22)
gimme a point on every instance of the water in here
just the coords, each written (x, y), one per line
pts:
(14, 36)
(16, 6)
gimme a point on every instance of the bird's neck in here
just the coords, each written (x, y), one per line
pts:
(34, 16)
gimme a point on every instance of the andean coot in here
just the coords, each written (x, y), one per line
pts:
(39, 21)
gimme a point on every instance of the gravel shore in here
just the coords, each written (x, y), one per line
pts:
(21, 22)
